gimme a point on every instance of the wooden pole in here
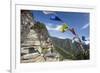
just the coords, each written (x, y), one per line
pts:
(77, 36)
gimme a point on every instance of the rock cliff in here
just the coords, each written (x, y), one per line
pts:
(36, 46)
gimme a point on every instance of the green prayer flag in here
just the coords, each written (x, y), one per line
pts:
(64, 28)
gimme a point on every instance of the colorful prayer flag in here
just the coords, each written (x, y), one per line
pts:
(55, 18)
(73, 31)
(83, 38)
(64, 28)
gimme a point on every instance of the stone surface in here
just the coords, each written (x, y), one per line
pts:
(35, 41)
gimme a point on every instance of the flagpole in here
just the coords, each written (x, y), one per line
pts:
(80, 42)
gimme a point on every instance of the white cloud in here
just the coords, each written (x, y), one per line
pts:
(54, 28)
(48, 12)
(85, 26)
(87, 42)
(49, 24)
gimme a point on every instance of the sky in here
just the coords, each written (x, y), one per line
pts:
(78, 21)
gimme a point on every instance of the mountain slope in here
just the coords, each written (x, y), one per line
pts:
(70, 50)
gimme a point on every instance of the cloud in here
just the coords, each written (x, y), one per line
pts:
(85, 26)
(48, 12)
(50, 25)
(53, 28)
(87, 42)
(56, 33)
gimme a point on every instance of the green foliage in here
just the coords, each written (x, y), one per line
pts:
(82, 55)
(44, 50)
(72, 55)
(38, 25)
(69, 50)
(61, 58)
(64, 54)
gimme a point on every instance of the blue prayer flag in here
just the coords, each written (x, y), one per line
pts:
(55, 18)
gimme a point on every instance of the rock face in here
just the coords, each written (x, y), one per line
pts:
(26, 23)
(36, 46)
